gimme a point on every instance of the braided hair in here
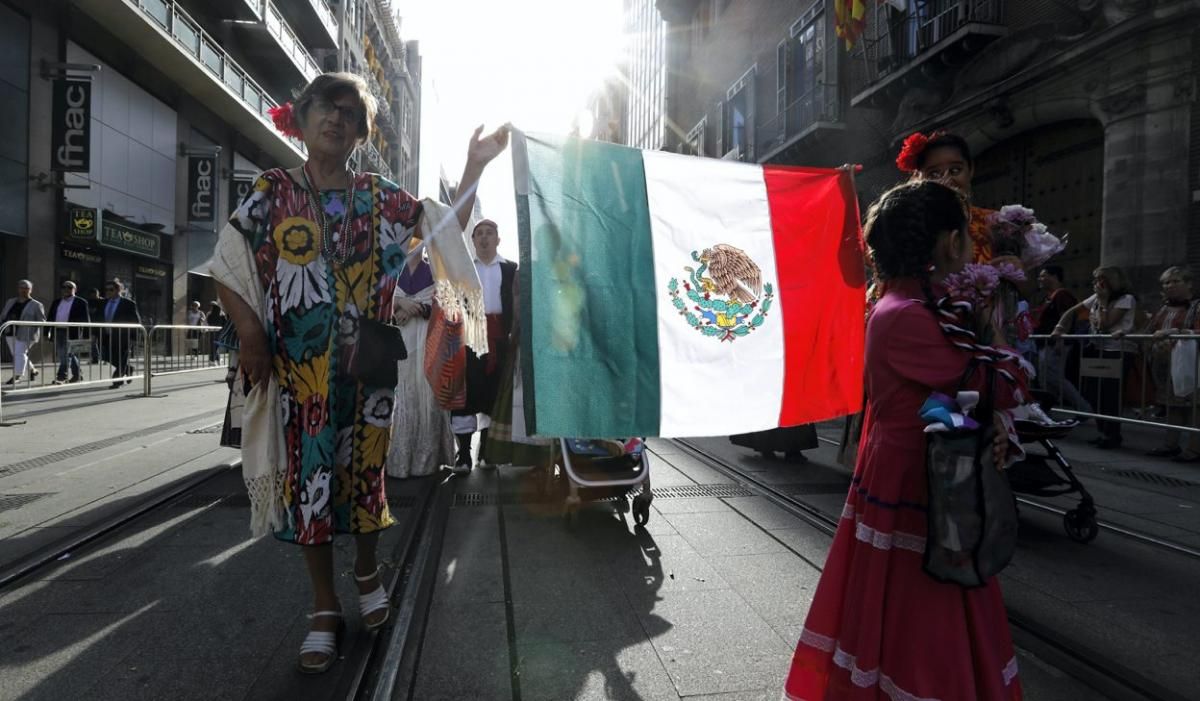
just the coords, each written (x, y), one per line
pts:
(902, 230)
(903, 226)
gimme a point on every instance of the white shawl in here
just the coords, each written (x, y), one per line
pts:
(264, 449)
(456, 282)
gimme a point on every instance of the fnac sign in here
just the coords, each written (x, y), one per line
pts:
(71, 131)
(202, 189)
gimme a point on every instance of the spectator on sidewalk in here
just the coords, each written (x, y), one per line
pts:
(497, 277)
(1112, 311)
(96, 312)
(1056, 360)
(875, 605)
(335, 240)
(215, 317)
(116, 344)
(195, 317)
(68, 309)
(22, 339)
(1179, 314)
(421, 438)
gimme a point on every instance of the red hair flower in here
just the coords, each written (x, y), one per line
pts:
(910, 153)
(285, 120)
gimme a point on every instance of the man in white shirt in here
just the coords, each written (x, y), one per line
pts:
(68, 309)
(497, 277)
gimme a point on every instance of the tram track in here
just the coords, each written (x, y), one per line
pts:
(1143, 538)
(379, 666)
(96, 533)
(1095, 670)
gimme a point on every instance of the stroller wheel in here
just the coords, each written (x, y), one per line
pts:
(641, 508)
(1080, 527)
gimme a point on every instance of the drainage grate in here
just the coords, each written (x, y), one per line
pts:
(474, 499)
(51, 458)
(215, 428)
(1161, 480)
(8, 502)
(701, 490)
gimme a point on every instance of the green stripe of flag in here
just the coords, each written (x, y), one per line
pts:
(587, 290)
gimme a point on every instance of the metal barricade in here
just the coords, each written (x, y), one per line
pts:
(57, 356)
(178, 348)
(1131, 379)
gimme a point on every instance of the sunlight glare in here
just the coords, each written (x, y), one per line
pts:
(533, 63)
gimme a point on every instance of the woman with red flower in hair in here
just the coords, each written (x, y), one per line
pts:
(946, 158)
(306, 268)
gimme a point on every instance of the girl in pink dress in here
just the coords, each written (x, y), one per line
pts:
(879, 627)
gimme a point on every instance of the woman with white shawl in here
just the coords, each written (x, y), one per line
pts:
(309, 259)
(421, 438)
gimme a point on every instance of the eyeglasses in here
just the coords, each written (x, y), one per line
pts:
(324, 108)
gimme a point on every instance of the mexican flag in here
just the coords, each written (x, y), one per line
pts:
(668, 295)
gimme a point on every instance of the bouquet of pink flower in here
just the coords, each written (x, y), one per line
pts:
(1016, 232)
(975, 283)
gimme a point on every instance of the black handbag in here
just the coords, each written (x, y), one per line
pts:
(972, 516)
(380, 347)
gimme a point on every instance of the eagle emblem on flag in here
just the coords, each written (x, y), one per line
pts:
(724, 297)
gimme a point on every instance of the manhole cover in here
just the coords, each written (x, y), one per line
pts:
(1152, 478)
(701, 490)
(8, 502)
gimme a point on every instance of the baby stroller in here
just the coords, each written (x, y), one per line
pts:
(1050, 475)
(601, 470)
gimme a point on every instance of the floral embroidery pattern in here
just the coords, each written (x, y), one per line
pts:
(337, 430)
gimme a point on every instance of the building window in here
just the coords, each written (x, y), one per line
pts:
(738, 122)
(807, 80)
(695, 138)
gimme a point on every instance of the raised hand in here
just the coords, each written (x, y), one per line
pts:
(482, 151)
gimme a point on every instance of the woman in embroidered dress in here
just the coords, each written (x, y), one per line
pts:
(421, 438)
(879, 627)
(329, 245)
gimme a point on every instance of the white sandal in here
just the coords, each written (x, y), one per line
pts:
(374, 601)
(322, 642)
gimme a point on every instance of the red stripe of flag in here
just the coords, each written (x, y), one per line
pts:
(822, 291)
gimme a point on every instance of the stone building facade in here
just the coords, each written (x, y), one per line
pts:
(1084, 111)
(177, 93)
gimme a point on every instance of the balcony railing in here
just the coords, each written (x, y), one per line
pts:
(195, 41)
(817, 106)
(291, 45)
(327, 17)
(373, 160)
(896, 39)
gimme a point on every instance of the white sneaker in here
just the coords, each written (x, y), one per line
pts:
(461, 468)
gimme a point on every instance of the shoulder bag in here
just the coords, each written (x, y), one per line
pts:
(972, 517)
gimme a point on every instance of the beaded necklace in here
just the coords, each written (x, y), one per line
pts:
(336, 245)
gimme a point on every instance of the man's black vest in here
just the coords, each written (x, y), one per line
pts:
(508, 277)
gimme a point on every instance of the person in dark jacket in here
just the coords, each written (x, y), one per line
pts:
(498, 277)
(215, 317)
(115, 344)
(68, 309)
